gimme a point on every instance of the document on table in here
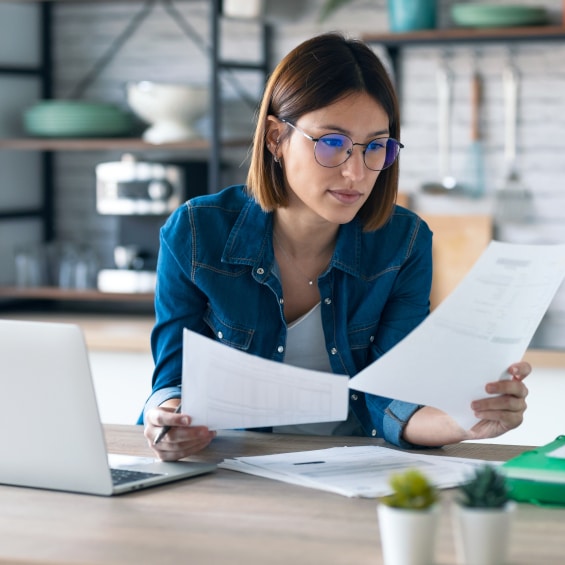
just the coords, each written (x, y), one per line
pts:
(468, 340)
(360, 471)
(474, 335)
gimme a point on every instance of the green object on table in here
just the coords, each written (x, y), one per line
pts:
(538, 476)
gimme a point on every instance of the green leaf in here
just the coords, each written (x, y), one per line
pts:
(411, 490)
(330, 7)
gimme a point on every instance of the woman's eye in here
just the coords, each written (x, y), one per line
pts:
(334, 142)
(376, 145)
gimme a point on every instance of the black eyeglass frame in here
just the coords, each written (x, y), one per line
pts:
(353, 144)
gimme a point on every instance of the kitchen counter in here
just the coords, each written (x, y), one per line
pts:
(128, 332)
(103, 332)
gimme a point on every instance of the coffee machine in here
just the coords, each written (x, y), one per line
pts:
(141, 195)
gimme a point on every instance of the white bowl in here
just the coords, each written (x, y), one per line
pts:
(171, 109)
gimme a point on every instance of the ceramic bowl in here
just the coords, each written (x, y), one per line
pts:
(73, 118)
(482, 14)
(171, 109)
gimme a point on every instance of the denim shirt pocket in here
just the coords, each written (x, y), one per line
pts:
(361, 337)
(228, 333)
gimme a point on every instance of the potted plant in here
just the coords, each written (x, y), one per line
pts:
(408, 519)
(482, 513)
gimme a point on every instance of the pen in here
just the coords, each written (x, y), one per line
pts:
(165, 429)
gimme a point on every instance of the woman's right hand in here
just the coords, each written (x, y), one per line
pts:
(181, 440)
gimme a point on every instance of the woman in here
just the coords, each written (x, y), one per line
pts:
(311, 263)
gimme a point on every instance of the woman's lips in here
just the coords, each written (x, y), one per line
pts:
(346, 196)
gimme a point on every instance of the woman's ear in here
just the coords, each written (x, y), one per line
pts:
(274, 131)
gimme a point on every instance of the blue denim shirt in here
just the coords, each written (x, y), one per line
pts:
(217, 276)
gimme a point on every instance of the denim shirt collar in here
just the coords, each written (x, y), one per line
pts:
(250, 242)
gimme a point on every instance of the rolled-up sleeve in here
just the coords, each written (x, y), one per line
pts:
(390, 418)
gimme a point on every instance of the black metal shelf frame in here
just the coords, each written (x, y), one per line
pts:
(44, 73)
(219, 66)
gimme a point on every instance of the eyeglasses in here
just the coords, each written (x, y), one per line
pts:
(333, 149)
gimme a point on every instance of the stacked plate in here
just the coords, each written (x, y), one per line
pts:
(482, 14)
(61, 118)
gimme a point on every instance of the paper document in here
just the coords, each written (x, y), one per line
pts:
(473, 336)
(224, 388)
(469, 340)
(362, 471)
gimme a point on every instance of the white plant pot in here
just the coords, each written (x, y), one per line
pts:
(407, 536)
(482, 534)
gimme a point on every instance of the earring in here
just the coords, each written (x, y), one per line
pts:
(276, 159)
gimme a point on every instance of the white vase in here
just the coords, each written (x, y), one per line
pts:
(243, 8)
(407, 536)
(482, 534)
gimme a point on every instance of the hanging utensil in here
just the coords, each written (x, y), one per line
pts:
(513, 201)
(475, 184)
(447, 181)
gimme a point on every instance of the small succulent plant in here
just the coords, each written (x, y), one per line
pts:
(411, 490)
(486, 488)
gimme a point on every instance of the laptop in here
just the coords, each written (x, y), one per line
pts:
(52, 434)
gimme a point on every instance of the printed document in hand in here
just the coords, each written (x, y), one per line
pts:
(360, 471)
(474, 335)
(224, 388)
(468, 340)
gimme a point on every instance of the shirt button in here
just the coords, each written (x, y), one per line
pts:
(280, 349)
(220, 335)
(333, 350)
(354, 397)
(260, 271)
(374, 433)
(372, 338)
(327, 301)
(281, 301)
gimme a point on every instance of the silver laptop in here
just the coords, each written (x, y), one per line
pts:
(52, 434)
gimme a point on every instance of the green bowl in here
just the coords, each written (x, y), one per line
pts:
(479, 14)
(61, 118)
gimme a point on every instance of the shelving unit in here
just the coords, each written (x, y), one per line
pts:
(208, 149)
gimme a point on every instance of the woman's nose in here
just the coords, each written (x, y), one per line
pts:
(354, 167)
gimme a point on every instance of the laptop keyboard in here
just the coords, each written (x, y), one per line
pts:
(122, 476)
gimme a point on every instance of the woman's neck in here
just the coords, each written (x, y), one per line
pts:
(304, 241)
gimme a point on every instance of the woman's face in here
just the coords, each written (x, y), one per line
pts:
(333, 194)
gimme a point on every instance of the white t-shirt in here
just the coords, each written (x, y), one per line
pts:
(306, 348)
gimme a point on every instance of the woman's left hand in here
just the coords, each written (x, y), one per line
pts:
(505, 411)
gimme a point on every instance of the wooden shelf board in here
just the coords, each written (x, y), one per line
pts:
(453, 35)
(56, 293)
(108, 144)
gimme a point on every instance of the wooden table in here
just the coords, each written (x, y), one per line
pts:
(233, 518)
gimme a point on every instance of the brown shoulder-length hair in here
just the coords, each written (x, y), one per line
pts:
(317, 73)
